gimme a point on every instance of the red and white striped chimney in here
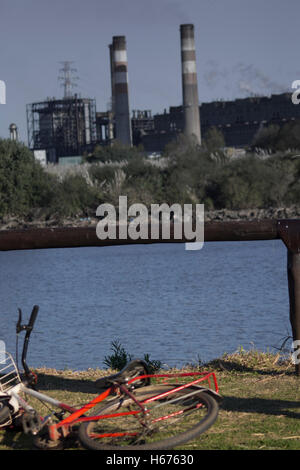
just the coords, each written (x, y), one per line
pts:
(189, 83)
(120, 94)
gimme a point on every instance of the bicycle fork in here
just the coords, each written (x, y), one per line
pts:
(145, 412)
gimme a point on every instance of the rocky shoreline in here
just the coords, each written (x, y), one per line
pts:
(17, 223)
(254, 214)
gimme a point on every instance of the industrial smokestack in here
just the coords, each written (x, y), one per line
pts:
(189, 83)
(120, 95)
(112, 76)
(111, 111)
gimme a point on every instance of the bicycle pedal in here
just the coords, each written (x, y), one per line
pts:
(31, 423)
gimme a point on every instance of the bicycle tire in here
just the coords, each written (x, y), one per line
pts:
(5, 415)
(132, 370)
(42, 441)
(136, 437)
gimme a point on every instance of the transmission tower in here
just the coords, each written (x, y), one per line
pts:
(68, 79)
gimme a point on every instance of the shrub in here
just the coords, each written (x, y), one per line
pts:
(214, 140)
(74, 196)
(189, 174)
(120, 358)
(114, 153)
(275, 138)
(24, 185)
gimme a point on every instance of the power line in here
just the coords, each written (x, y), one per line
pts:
(68, 79)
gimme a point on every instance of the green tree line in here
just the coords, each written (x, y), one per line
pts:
(185, 173)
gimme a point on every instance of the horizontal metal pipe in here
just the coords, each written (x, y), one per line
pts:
(68, 237)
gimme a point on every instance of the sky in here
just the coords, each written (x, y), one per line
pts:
(243, 47)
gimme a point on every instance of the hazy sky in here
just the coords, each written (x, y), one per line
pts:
(242, 47)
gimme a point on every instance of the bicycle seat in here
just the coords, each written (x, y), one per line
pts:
(131, 370)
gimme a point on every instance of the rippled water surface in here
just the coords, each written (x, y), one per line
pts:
(176, 305)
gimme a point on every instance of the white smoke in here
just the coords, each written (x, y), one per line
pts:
(252, 79)
(241, 79)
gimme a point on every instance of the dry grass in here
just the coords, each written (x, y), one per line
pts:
(260, 407)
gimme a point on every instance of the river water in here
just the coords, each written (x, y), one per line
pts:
(177, 306)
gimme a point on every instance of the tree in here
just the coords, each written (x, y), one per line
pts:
(276, 138)
(214, 140)
(23, 182)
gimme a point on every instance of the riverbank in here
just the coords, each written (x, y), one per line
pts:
(11, 223)
(260, 407)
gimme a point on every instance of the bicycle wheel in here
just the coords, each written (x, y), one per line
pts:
(171, 419)
(5, 415)
(132, 370)
(42, 441)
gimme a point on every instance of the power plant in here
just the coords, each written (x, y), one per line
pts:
(63, 130)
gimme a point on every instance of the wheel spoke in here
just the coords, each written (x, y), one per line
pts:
(172, 417)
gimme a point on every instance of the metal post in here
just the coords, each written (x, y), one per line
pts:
(289, 231)
(294, 295)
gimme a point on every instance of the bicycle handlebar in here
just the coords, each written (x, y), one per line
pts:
(33, 316)
(28, 328)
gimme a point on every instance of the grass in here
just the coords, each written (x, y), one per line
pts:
(260, 408)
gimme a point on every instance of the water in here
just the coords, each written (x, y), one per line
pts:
(176, 305)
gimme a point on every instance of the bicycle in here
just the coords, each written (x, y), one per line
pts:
(129, 413)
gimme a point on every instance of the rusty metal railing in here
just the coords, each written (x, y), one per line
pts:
(286, 230)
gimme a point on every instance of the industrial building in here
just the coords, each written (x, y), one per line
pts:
(62, 130)
(238, 120)
(77, 127)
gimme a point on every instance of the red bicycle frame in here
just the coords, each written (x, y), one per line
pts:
(77, 415)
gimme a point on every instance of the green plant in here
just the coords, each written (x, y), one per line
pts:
(187, 174)
(119, 358)
(114, 153)
(275, 138)
(23, 183)
(153, 365)
(214, 139)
